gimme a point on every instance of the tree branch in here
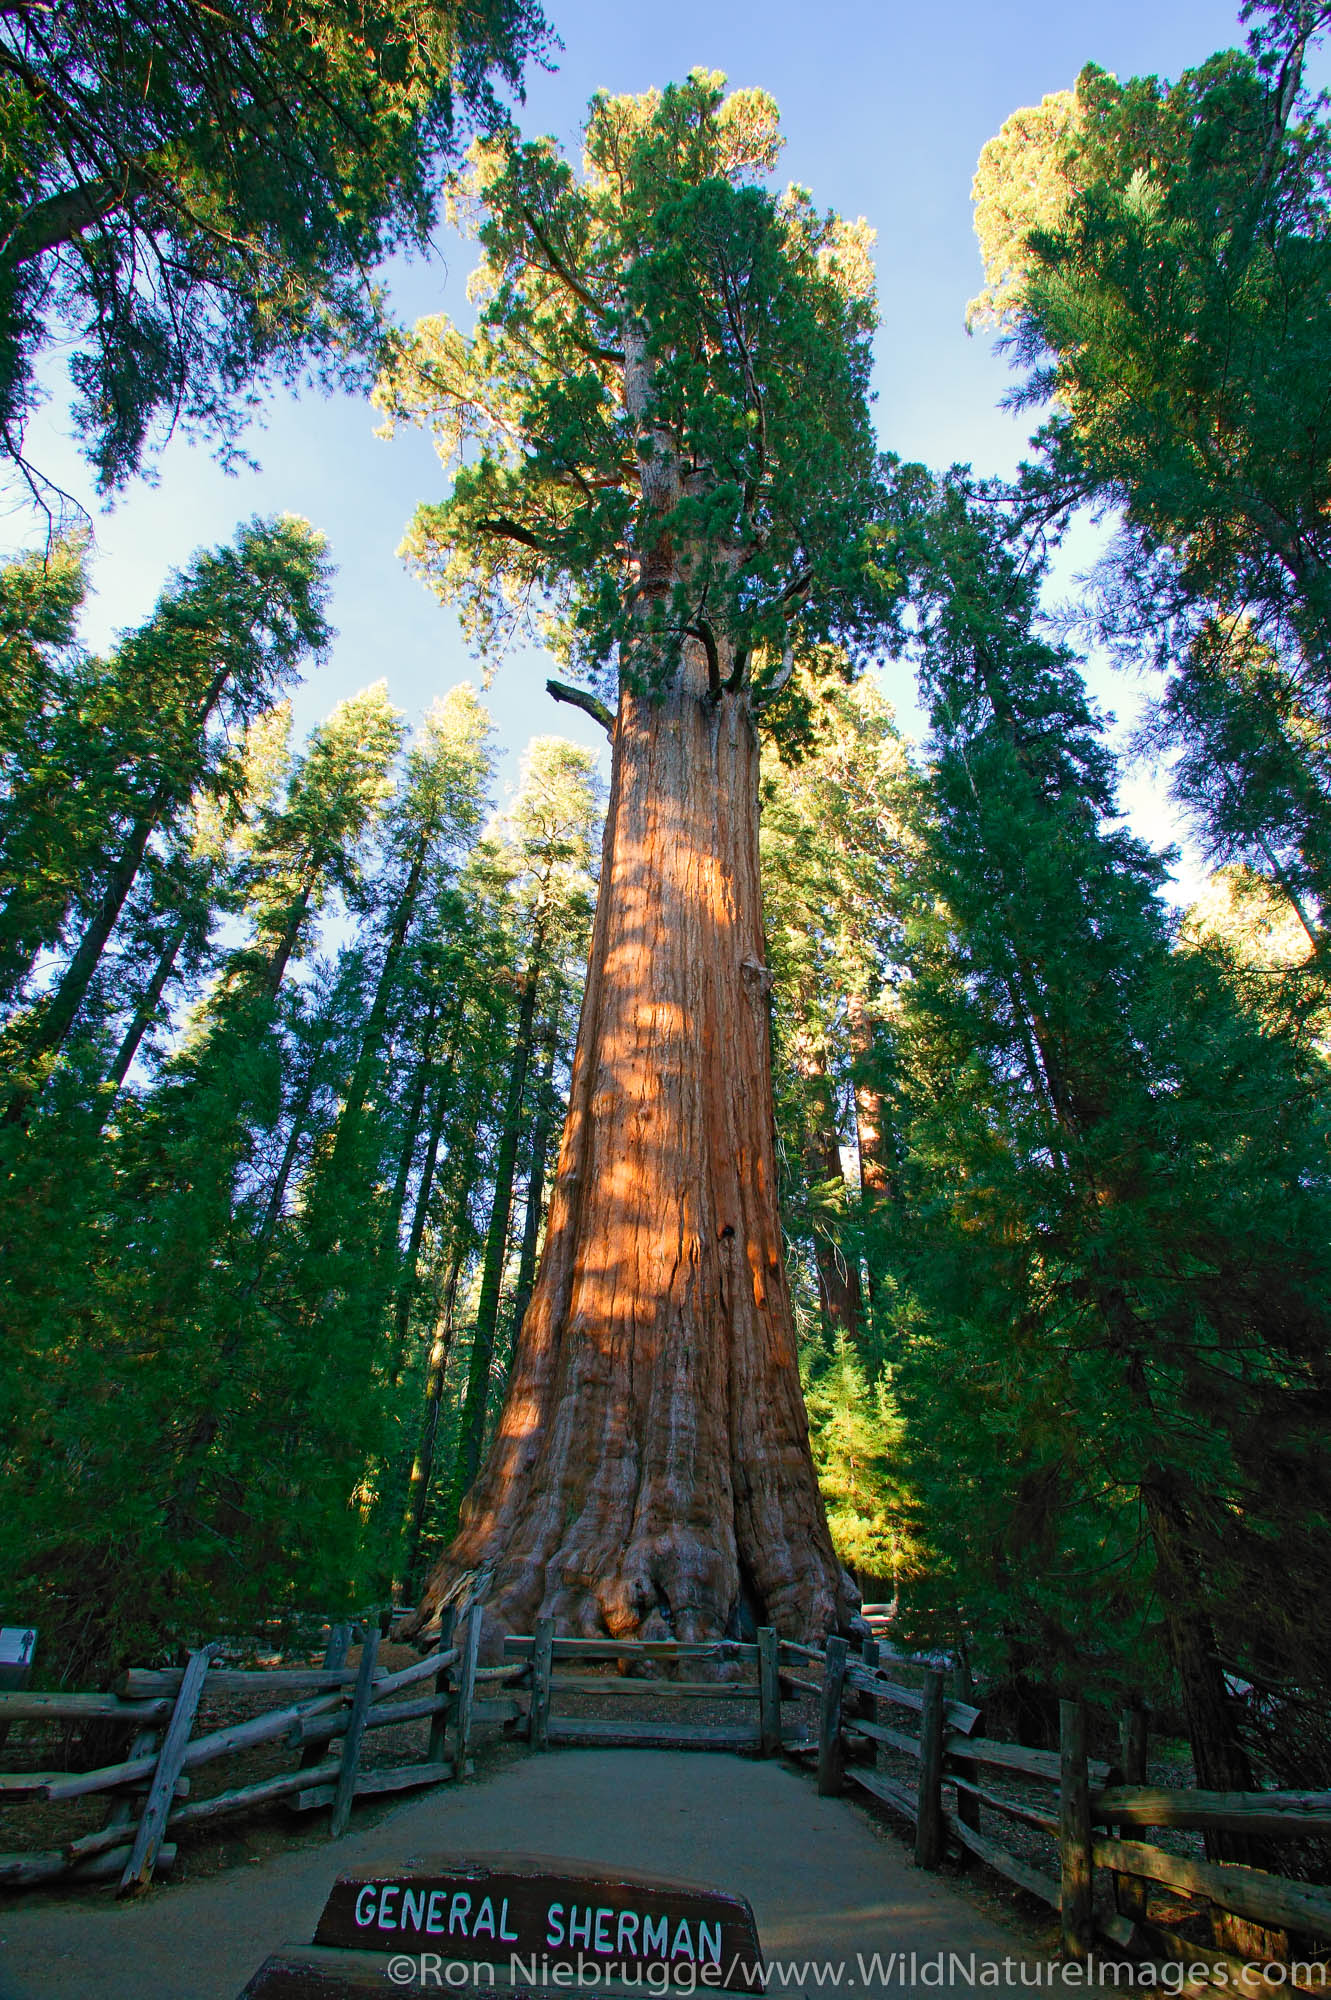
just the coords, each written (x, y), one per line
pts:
(701, 630)
(765, 695)
(738, 671)
(513, 531)
(558, 267)
(60, 217)
(581, 698)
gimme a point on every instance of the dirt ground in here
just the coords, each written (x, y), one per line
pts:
(830, 1886)
(63, 1943)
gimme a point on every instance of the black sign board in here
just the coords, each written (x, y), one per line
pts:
(531, 1924)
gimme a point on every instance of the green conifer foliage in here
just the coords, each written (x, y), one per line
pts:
(859, 1449)
(832, 854)
(543, 856)
(125, 747)
(1115, 1234)
(195, 196)
(1158, 256)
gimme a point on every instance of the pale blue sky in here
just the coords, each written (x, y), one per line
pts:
(884, 108)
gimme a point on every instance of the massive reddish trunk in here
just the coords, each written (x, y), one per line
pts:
(651, 1473)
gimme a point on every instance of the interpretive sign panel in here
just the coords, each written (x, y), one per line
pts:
(17, 1645)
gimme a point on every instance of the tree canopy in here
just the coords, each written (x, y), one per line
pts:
(197, 197)
(659, 429)
(1158, 256)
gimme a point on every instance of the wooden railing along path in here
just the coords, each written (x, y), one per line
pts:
(866, 1717)
(869, 1725)
(149, 1788)
(1088, 1811)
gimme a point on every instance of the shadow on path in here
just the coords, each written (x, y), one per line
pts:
(825, 1887)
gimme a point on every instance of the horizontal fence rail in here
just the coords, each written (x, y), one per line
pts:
(148, 1789)
(915, 1749)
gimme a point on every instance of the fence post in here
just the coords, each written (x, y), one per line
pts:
(769, 1693)
(351, 1742)
(1130, 1891)
(968, 1806)
(831, 1760)
(929, 1801)
(471, 1646)
(1074, 1832)
(335, 1658)
(121, 1810)
(871, 1708)
(438, 1744)
(542, 1655)
(148, 1839)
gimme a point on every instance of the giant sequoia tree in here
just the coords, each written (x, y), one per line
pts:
(663, 453)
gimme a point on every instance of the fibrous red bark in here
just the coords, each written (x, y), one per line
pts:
(651, 1473)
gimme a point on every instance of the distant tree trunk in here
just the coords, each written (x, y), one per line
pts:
(299, 1114)
(275, 968)
(1220, 1762)
(406, 1266)
(145, 1013)
(422, 1467)
(48, 1029)
(471, 1431)
(542, 1126)
(839, 1296)
(51, 1023)
(875, 1176)
(651, 1473)
(385, 988)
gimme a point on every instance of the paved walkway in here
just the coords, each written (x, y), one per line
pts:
(825, 1886)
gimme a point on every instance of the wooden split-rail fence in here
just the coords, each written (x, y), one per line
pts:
(323, 1713)
(870, 1725)
(919, 1753)
(1092, 1813)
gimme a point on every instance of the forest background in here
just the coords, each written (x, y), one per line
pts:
(884, 111)
(383, 981)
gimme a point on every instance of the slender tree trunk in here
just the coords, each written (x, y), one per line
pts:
(18, 954)
(50, 1024)
(651, 1473)
(422, 1466)
(411, 1130)
(1220, 1763)
(279, 958)
(300, 1111)
(839, 1295)
(875, 1174)
(878, 1184)
(406, 1275)
(540, 1151)
(472, 1429)
(145, 1012)
(383, 993)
